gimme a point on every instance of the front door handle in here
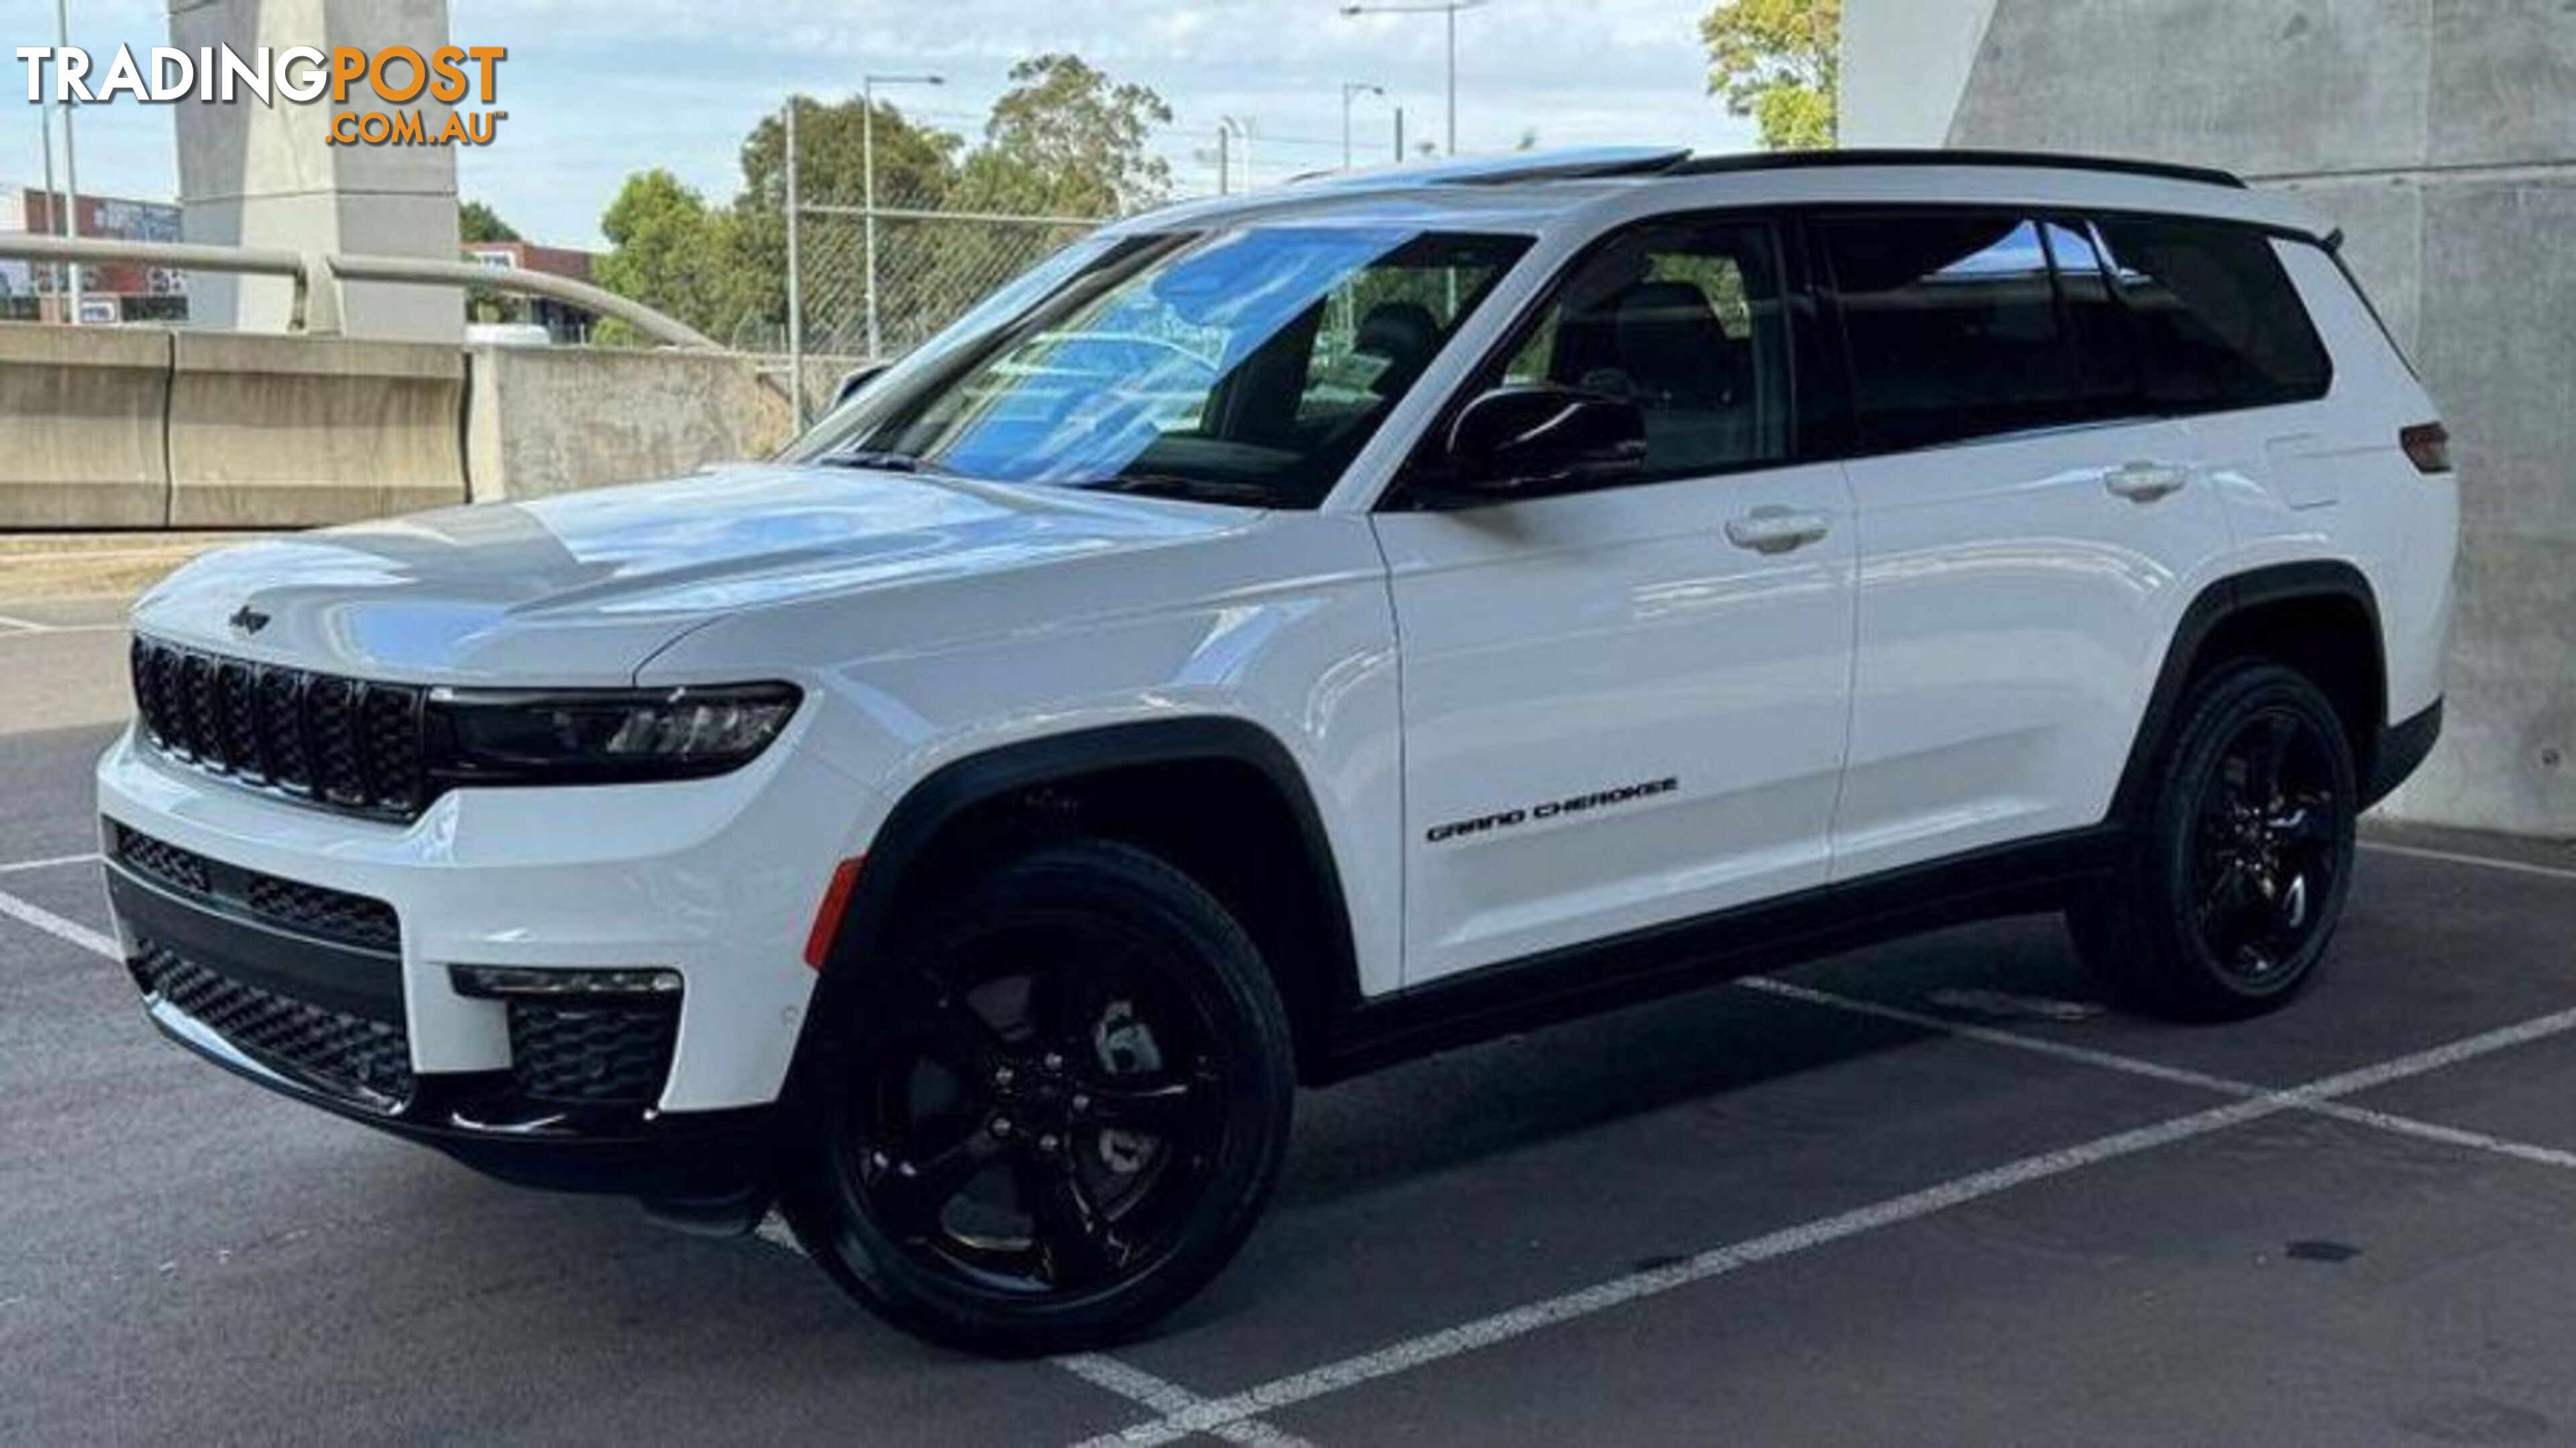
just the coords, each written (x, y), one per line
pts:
(2145, 482)
(1774, 529)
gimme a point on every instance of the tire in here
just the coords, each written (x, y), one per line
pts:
(2236, 879)
(1064, 1110)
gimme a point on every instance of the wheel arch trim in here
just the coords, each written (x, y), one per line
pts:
(941, 797)
(2226, 598)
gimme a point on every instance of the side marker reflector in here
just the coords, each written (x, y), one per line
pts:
(827, 920)
(2428, 447)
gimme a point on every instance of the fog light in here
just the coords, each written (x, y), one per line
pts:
(516, 982)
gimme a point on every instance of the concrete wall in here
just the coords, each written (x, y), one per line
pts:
(2441, 135)
(137, 427)
(548, 420)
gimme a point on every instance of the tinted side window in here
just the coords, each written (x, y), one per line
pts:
(1686, 320)
(2219, 324)
(2106, 354)
(1952, 326)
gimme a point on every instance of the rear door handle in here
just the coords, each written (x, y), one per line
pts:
(1774, 529)
(2145, 482)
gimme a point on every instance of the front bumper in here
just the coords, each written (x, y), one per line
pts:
(321, 1020)
(698, 1163)
(315, 954)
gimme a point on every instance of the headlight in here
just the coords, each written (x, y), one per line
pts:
(586, 736)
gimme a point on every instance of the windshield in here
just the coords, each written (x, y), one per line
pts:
(1242, 367)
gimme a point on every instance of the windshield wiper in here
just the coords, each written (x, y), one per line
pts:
(883, 460)
(1169, 485)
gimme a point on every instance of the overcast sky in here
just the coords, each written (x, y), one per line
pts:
(596, 89)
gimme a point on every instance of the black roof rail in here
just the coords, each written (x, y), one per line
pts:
(1926, 156)
(1571, 164)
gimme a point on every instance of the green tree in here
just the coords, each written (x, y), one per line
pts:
(672, 252)
(477, 222)
(1068, 140)
(1780, 62)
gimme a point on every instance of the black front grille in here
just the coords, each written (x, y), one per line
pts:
(352, 744)
(315, 910)
(181, 870)
(364, 1060)
(592, 1054)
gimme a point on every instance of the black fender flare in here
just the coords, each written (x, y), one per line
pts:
(948, 792)
(2215, 605)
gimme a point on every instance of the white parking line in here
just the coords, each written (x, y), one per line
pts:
(2454, 857)
(61, 929)
(1155, 1395)
(55, 862)
(1170, 1399)
(1518, 1322)
(23, 630)
(2158, 1071)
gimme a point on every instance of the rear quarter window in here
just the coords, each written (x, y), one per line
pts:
(2218, 323)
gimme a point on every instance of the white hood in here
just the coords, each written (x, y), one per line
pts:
(583, 588)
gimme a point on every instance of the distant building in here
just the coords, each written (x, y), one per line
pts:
(565, 324)
(111, 292)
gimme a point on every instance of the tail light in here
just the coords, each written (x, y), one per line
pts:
(2428, 447)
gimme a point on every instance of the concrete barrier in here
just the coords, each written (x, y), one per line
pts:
(545, 420)
(81, 437)
(277, 431)
(142, 427)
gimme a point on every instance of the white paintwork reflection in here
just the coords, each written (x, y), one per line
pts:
(1562, 646)
(2013, 612)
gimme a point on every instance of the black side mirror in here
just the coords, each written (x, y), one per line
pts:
(1532, 439)
(854, 379)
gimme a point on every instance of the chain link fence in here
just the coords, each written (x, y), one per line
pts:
(874, 283)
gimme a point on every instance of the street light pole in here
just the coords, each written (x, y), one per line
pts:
(1351, 88)
(53, 274)
(795, 282)
(1451, 14)
(71, 159)
(1449, 10)
(1241, 126)
(868, 181)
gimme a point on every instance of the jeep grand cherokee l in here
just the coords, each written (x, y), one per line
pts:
(1289, 632)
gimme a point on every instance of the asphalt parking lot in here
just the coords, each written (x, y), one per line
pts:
(1930, 1192)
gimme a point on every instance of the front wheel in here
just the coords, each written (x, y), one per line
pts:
(1063, 1112)
(2234, 886)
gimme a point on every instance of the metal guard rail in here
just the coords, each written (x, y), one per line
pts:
(317, 276)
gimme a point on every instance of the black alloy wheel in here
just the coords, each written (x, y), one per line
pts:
(2241, 858)
(2268, 847)
(1063, 1112)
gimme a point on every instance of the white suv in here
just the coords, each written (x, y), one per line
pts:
(1287, 633)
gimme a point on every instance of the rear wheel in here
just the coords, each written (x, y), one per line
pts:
(1064, 1110)
(2235, 884)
